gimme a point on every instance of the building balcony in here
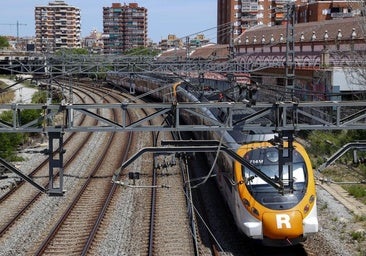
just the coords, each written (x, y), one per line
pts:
(283, 2)
(340, 15)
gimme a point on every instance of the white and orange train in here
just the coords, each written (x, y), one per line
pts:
(260, 211)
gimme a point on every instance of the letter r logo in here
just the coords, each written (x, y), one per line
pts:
(283, 219)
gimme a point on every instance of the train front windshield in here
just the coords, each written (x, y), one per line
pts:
(266, 160)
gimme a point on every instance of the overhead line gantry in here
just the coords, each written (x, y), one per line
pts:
(79, 64)
(288, 115)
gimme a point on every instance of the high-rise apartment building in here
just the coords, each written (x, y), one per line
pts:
(236, 16)
(57, 26)
(225, 16)
(124, 27)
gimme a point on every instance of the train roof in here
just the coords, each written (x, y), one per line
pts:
(240, 117)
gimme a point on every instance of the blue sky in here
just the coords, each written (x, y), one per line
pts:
(179, 17)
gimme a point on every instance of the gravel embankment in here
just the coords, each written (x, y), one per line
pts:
(336, 226)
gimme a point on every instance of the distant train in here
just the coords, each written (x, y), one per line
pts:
(260, 211)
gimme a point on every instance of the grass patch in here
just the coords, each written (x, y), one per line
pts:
(323, 206)
(7, 97)
(358, 236)
(2, 84)
(10, 142)
(360, 218)
(358, 191)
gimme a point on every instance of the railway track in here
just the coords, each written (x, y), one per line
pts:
(79, 223)
(159, 195)
(18, 200)
(120, 225)
(72, 175)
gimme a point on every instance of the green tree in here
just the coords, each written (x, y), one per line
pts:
(9, 144)
(72, 51)
(3, 42)
(10, 141)
(39, 97)
(142, 51)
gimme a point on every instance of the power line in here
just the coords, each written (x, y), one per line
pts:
(17, 25)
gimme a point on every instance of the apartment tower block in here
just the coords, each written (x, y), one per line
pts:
(124, 27)
(236, 16)
(57, 27)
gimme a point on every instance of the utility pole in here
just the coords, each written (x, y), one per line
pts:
(16, 24)
(290, 50)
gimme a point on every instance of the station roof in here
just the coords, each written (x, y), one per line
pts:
(311, 31)
(210, 51)
(348, 28)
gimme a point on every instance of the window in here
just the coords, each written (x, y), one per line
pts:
(266, 160)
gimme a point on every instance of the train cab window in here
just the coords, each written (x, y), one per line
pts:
(272, 172)
(266, 160)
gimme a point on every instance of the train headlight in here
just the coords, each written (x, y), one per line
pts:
(312, 199)
(272, 155)
(246, 202)
(255, 211)
(307, 206)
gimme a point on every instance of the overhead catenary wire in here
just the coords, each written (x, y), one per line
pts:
(215, 160)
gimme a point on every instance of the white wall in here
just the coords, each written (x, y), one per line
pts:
(349, 79)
